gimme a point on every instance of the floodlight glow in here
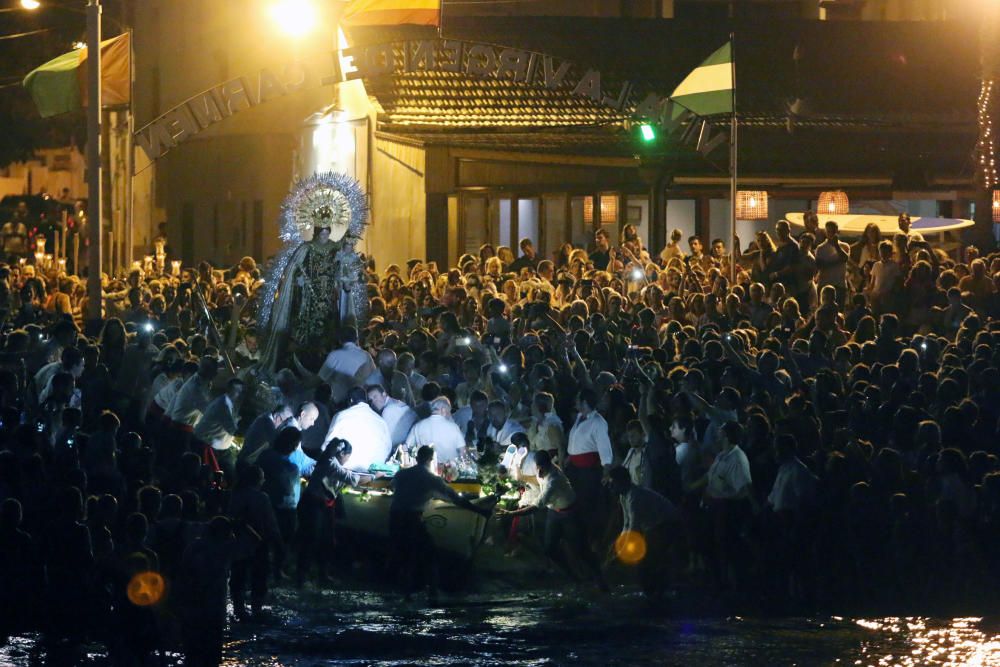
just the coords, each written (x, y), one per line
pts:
(295, 18)
(30, 5)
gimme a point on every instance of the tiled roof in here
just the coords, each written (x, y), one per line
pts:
(448, 99)
(875, 95)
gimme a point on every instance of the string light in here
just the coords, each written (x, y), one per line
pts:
(986, 146)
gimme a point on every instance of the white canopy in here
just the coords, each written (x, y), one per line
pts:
(854, 225)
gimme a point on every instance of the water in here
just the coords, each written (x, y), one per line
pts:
(571, 627)
(582, 628)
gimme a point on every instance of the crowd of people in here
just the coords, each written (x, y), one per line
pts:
(804, 420)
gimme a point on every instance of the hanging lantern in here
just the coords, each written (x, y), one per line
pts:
(609, 209)
(996, 206)
(834, 202)
(751, 205)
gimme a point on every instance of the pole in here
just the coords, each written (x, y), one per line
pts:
(130, 157)
(94, 296)
(732, 164)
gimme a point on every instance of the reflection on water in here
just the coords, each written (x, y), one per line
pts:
(580, 627)
(572, 627)
(922, 641)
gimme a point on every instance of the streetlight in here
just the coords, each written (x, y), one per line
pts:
(295, 18)
(30, 5)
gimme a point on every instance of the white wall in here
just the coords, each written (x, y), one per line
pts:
(642, 226)
(680, 215)
(527, 222)
(746, 230)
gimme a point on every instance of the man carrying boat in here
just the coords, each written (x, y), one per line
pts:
(412, 547)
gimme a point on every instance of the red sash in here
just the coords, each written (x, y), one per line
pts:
(208, 457)
(184, 428)
(588, 460)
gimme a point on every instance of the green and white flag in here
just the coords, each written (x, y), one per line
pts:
(708, 90)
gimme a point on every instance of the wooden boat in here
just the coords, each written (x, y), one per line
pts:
(453, 529)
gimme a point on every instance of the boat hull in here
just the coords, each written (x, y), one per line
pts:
(453, 529)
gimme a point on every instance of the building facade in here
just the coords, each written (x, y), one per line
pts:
(875, 97)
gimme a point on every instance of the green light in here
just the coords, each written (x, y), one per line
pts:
(647, 132)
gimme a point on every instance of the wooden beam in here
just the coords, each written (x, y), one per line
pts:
(541, 158)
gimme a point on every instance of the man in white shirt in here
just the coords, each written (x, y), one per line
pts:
(70, 361)
(217, 428)
(407, 366)
(728, 477)
(438, 431)
(545, 432)
(501, 427)
(832, 256)
(729, 496)
(347, 366)
(398, 416)
(795, 486)
(723, 412)
(364, 429)
(193, 396)
(386, 374)
(165, 396)
(637, 461)
(590, 459)
(564, 518)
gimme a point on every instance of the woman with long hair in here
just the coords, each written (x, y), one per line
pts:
(561, 256)
(486, 251)
(766, 249)
(112, 341)
(866, 331)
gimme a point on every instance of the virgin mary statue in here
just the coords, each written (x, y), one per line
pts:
(318, 281)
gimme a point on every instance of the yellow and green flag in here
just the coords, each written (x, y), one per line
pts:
(392, 12)
(60, 85)
(708, 89)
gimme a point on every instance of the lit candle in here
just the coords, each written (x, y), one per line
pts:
(175, 267)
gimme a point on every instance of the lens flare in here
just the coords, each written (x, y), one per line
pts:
(145, 589)
(630, 547)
